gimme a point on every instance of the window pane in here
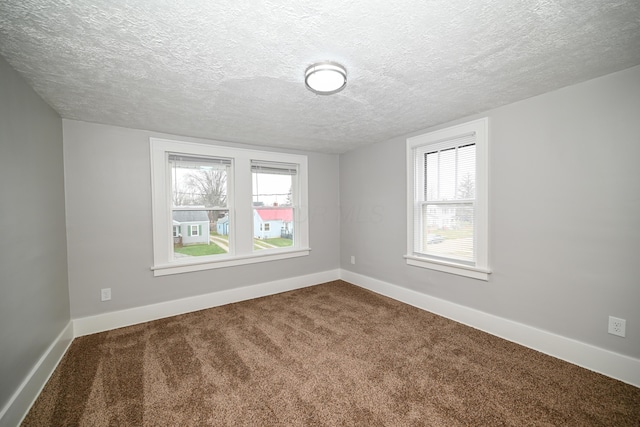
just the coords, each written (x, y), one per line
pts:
(466, 174)
(199, 181)
(450, 174)
(447, 174)
(198, 235)
(431, 176)
(273, 204)
(272, 189)
(448, 231)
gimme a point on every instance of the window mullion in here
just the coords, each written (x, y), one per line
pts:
(243, 211)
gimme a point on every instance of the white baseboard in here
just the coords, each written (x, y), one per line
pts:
(18, 406)
(118, 319)
(614, 365)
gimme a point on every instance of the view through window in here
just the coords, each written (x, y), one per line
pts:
(217, 206)
(273, 204)
(447, 210)
(200, 213)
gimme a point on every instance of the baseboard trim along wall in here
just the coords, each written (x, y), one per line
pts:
(614, 365)
(18, 406)
(118, 319)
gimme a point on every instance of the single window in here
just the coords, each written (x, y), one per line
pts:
(208, 189)
(198, 198)
(275, 202)
(447, 202)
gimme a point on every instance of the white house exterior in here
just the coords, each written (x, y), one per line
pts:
(272, 222)
(191, 226)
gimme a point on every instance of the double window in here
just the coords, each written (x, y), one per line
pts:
(217, 206)
(447, 200)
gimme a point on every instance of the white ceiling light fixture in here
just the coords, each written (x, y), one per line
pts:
(325, 78)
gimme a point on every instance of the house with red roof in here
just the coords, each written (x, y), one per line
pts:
(272, 221)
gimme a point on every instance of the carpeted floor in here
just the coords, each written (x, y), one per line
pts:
(328, 355)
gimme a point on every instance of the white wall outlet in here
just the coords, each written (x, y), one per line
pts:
(353, 259)
(105, 294)
(617, 326)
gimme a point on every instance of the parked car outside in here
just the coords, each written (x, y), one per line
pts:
(434, 238)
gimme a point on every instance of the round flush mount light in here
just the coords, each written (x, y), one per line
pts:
(325, 78)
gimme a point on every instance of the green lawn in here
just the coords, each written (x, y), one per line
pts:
(200, 250)
(258, 244)
(279, 241)
(270, 243)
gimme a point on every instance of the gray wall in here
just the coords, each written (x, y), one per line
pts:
(108, 190)
(34, 295)
(564, 214)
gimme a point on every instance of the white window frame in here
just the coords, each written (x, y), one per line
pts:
(239, 202)
(480, 267)
(194, 230)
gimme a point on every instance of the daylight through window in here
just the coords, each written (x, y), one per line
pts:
(274, 207)
(199, 205)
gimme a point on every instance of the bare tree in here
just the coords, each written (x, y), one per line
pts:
(182, 196)
(209, 189)
(287, 202)
(467, 188)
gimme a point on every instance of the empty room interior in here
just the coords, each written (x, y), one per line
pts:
(320, 213)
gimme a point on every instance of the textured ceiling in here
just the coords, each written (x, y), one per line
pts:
(233, 70)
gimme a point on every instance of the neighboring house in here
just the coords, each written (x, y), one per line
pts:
(192, 226)
(222, 226)
(272, 222)
(441, 217)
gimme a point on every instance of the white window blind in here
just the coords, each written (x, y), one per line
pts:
(273, 168)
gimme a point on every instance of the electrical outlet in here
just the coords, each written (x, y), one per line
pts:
(353, 259)
(617, 326)
(105, 294)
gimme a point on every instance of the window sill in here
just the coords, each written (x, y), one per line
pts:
(188, 265)
(447, 267)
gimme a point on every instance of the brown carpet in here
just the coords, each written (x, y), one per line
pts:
(329, 355)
